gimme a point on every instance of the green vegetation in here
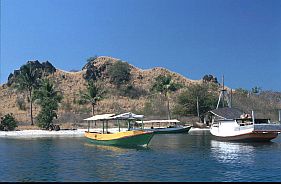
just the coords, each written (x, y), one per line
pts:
(21, 103)
(187, 100)
(154, 106)
(242, 92)
(210, 78)
(28, 80)
(48, 98)
(8, 123)
(91, 59)
(92, 95)
(119, 73)
(256, 90)
(265, 103)
(165, 85)
(131, 91)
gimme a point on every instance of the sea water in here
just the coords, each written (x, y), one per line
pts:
(172, 157)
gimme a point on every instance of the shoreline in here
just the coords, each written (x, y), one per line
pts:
(60, 133)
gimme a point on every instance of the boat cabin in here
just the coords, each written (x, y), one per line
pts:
(229, 115)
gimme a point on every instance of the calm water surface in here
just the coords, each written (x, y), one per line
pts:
(176, 157)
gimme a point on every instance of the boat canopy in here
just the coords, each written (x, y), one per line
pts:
(123, 116)
(160, 121)
(100, 117)
(105, 117)
(227, 113)
(128, 115)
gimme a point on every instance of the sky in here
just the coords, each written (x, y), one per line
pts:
(240, 39)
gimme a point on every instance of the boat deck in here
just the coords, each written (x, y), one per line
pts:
(267, 127)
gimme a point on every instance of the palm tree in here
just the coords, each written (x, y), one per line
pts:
(48, 98)
(27, 80)
(92, 95)
(164, 84)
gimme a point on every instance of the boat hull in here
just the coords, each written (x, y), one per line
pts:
(249, 137)
(128, 138)
(170, 130)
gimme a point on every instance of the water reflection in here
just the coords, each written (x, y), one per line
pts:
(238, 152)
(117, 149)
(232, 152)
(170, 142)
(111, 162)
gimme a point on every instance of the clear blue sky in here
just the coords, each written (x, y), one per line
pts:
(240, 39)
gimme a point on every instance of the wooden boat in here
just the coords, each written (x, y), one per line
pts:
(128, 138)
(171, 129)
(232, 124)
(228, 125)
(120, 138)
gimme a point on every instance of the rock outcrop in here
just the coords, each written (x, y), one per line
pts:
(46, 67)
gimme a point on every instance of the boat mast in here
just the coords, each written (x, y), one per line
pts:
(230, 97)
(279, 112)
(198, 109)
(223, 92)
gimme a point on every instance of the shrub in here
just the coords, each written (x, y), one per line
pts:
(210, 78)
(241, 91)
(21, 104)
(187, 100)
(131, 91)
(45, 118)
(119, 72)
(154, 106)
(8, 123)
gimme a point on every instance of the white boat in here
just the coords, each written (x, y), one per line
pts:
(173, 126)
(231, 124)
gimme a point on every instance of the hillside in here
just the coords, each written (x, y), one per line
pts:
(141, 101)
(70, 83)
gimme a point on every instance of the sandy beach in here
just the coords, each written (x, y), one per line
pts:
(41, 133)
(61, 133)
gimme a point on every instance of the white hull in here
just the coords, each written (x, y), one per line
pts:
(232, 131)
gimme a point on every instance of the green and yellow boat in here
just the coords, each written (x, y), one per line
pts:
(121, 138)
(128, 138)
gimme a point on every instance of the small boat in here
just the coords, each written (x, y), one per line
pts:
(121, 138)
(171, 129)
(231, 124)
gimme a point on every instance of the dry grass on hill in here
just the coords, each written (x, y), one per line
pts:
(70, 83)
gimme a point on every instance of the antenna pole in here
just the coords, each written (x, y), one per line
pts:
(253, 116)
(198, 109)
(231, 98)
(279, 115)
(223, 91)
(219, 100)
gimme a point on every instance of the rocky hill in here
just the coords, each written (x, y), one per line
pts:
(142, 100)
(70, 83)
